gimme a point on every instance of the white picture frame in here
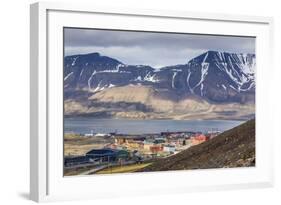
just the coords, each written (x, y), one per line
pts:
(46, 179)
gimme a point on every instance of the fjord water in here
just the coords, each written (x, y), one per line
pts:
(85, 125)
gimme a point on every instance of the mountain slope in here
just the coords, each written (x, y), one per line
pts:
(93, 72)
(214, 78)
(146, 102)
(222, 76)
(233, 148)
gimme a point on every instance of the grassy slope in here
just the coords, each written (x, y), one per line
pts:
(233, 148)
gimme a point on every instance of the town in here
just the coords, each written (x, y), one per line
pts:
(122, 150)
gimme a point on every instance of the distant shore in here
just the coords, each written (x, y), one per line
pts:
(194, 117)
(140, 126)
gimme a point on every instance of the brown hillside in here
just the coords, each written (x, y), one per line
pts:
(233, 148)
(146, 102)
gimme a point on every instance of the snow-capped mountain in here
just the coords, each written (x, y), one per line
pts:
(222, 76)
(214, 76)
(93, 72)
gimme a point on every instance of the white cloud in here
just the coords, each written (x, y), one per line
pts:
(154, 49)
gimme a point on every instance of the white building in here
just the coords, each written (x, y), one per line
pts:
(169, 148)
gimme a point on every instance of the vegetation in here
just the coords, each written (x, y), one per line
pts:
(123, 169)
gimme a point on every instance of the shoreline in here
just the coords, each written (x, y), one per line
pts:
(87, 125)
(155, 119)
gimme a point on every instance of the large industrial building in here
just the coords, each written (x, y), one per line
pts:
(98, 155)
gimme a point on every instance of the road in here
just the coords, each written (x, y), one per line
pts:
(93, 170)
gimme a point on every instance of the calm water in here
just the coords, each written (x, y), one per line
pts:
(87, 125)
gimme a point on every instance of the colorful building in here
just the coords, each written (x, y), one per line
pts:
(156, 148)
(169, 148)
(198, 139)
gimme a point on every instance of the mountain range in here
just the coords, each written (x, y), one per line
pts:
(213, 85)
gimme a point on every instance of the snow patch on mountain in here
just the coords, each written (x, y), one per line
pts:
(204, 72)
(111, 85)
(81, 73)
(150, 78)
(90, 79)
(98, 88)
(205, 58)
(201, 89)
(173, 80)
(74, 61)
(187, 82)
(68, 75)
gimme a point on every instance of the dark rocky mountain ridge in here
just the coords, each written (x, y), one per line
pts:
(217, 78)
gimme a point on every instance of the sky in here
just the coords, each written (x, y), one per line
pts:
(151, 48)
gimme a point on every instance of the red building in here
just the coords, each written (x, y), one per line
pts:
(156, 148)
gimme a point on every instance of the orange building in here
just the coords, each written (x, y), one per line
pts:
(199, 139)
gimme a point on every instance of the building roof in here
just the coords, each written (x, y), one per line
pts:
(159, 141)
(170, 146)
(107, 152)
(132, 137)
(99, 152)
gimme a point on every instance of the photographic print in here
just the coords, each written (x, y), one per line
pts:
(138, 101)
